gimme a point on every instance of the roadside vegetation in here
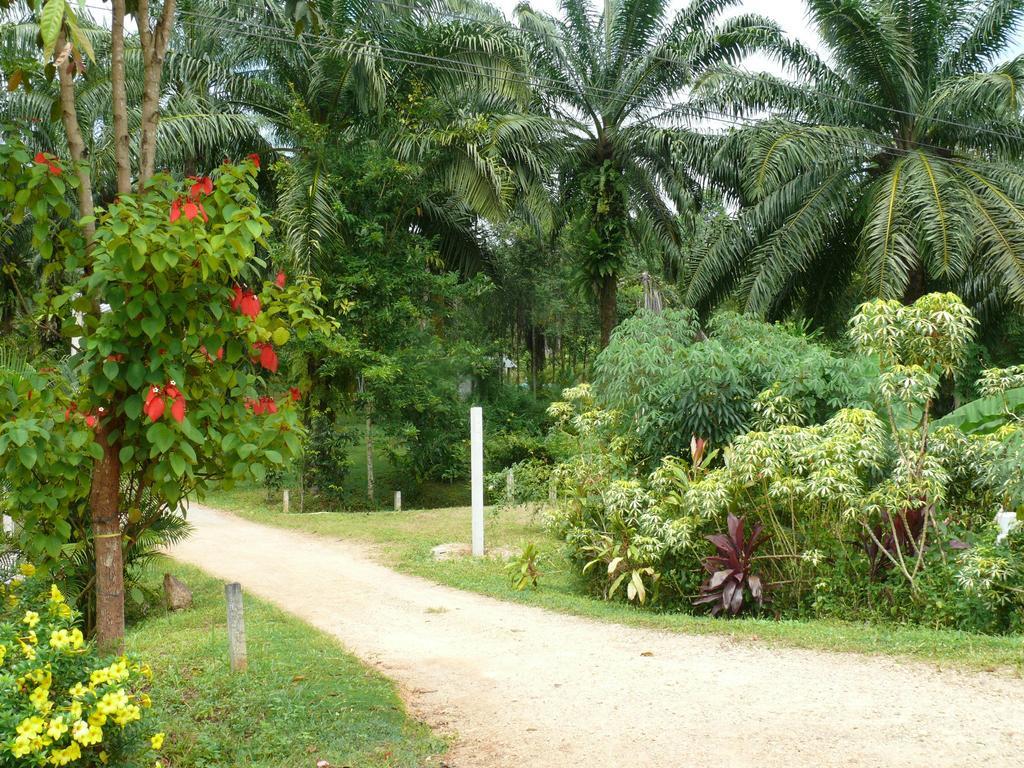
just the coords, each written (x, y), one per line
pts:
(405, 540)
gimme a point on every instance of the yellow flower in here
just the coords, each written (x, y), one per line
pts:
(12, 600)
(3, 652)
(157, 740)
(104, 757)
(27, 650)
(75, 710)
(64, 611)
(40, 698)
(27, 570)
(57, 728)
(63, 638)
(68, 754)
(78, 691)
(145, 700)
(31, 618)
(55, 594)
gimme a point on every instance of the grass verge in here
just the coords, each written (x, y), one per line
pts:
(303, 698)
(406, 540)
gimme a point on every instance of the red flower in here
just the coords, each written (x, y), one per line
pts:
(236, 302)
(295, 394)
(254, 158)
(250, 304)
(175, 211)
(220, 353)
(279, 281)
(178, 409)
(203, 186)
(154, 405)
(115, 358)
(42, 158)
(267, 357)
(70, 410)
(91, 420)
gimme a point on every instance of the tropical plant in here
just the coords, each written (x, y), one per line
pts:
(609, 73)
(732, 569)
(524, 571)
(889, 167)
(64, 703)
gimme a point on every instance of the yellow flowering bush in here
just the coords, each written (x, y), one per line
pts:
(60, 702)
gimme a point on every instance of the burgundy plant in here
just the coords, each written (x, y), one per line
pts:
(732, 569)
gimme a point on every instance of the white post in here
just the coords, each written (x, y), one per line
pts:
(286, 502)
(1005, 521)
(8, 524)
(398, 501)
(476, 453)
(236, 628)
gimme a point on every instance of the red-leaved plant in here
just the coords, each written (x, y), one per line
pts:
(732, 569)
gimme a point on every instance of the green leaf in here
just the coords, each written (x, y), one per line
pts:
(178, 464)
(152, 326)
(110, 370)
(27, 454)
(126, 453)
(135, 375)
(281, 336)
(160, 436)
(50, 22)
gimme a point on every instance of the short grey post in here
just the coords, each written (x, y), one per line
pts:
(236, 628)
(286, 502)
(476, 454)
(398, 501)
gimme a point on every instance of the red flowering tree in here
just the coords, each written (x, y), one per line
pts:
(178, 330)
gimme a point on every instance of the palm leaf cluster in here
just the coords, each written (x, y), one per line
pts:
(888, 166)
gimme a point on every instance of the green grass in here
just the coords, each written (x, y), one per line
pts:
(303, 699)
(407, 538)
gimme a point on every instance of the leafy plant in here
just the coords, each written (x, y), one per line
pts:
(62, 703)
(524, 572)
(732, 569)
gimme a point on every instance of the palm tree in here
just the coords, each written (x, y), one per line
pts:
(440, 82)
(606, 74)
(889, 167)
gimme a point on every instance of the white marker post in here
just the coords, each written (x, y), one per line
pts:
(476, 456)
(398, 501)
(286, 502)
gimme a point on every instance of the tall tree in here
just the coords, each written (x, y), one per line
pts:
(889, 167)
(608, 75)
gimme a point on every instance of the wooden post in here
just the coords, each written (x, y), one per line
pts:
(398, 501)
(286, 502)
(476, 435)
(236, 628)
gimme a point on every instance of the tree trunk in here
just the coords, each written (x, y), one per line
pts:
(154, 48)
(608, 307)
(916, 285)
(119, 99)
(369, 461)
(104, 496)
(76, 143)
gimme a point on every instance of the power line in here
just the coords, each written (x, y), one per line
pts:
(413, 58)
(748, 75)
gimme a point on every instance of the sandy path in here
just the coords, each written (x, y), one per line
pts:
(523, 687)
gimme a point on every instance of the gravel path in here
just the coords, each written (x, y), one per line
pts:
(526, 688)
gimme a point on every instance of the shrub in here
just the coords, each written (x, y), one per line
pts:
(731, 571)
(325, 456)
(671, 383)
(61, 703)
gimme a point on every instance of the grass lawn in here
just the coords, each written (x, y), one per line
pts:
(407, 538)
(303, 698)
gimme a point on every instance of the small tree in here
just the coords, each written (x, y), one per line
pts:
(167, 392)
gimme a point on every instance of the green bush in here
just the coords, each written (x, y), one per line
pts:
(671, 383)
(325, 456)
(60, 702)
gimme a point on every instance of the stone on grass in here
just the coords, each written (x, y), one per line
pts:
(458, 549)
(179, 596)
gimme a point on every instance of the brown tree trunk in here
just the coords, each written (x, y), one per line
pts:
(104, 497)
(76, 142)
(916, 286)
(608, 307)
(154, 49)
(119, 99)
(370, 494)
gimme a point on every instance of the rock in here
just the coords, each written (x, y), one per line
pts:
(458, 549)
(451, 551)
(179, 596)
